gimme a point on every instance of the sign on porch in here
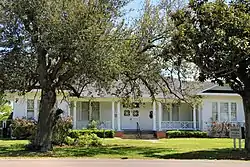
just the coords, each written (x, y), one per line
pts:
(235, 133)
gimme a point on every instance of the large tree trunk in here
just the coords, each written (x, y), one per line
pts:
(43, 138)
(246, 103)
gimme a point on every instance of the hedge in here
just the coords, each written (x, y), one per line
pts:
(188, 134)
(99, 133)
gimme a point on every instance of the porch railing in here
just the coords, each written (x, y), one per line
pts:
(101, 125)
(178, 125)
(81, 124)
(105, 125)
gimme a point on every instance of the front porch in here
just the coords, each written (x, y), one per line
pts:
(153, 116)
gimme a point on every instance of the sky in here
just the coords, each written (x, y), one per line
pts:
(136, 5)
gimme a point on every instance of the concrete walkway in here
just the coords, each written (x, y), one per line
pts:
(118, 163)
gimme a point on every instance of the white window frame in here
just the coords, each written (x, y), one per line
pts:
(229, 109)
(28, 109)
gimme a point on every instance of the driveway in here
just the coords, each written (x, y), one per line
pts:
(117, 163)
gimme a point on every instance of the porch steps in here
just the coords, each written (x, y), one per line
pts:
(130, 134)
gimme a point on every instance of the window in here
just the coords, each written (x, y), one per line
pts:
(165, 112)
(96, 111)
(233, 112)
(175, 112)
(214, 111)
(126, 113)
(38, 105)
(82, 111)
(135, 113)
(222, 113)
(30, 109)
(71, 108)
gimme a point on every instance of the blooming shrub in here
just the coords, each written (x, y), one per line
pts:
(26, 129)
(23, 129)
(220, 129)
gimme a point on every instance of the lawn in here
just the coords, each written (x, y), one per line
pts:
(136, 149)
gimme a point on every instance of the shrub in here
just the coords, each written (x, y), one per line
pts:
(61, 130)
(69, 141)
(219, 129)
(92, 125)
(23, 128)
(99, 133)
(26, 129)
(89, 140)
(189, 134)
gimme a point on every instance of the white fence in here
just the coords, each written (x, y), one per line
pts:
(179, 125)
(101, 124)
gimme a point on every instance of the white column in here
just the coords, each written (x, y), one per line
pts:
(170, 112)
(154, 114)
(113, 115)
(74, 115)
(218, 111)
(194, 116)
(68, 108)
(118, 116)
(35, 109)
(26, 103)
(159, 115)
(90, 111)
(199, 116)
(229, 111)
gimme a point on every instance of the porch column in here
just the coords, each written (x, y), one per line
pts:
(90, 111)
(154, 114)
(194, 117)
(113, 115)
(68, 108)
(118, 116)
(229, 112)
(74, 115)
(218, 111)
(199, 117)
(159, 115)
(35, 109)
(171, 112)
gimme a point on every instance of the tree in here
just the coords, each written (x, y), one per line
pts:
(215, 36)
(57, 45)
(5, 108)
(60, 45)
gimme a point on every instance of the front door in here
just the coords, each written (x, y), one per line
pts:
(130, 118)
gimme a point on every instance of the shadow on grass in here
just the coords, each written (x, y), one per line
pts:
(125, 152)
(218, 154)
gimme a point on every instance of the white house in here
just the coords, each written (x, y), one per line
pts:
(218, 104)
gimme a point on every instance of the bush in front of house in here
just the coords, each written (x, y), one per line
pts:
(186, 134)
(92, 125)
(219, 129)
(23, 129)
(26, 129)
(100, 133)
(69, 141)
(89, 140)
(86, 140)
(61, 130)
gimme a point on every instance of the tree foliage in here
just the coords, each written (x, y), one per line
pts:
(83, 46)
(5, 108)
(57, 45)
(215, 36)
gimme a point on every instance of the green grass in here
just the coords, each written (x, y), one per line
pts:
(119, 148)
